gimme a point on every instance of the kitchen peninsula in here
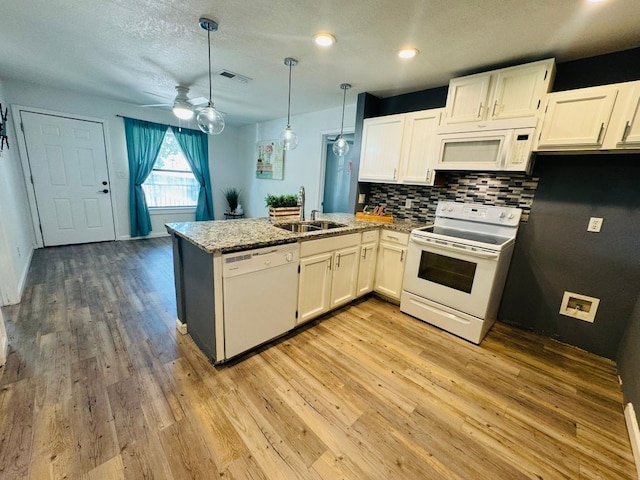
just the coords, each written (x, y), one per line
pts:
(242, 283)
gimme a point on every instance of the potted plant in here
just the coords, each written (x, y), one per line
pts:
(282, 207)
(233, 196)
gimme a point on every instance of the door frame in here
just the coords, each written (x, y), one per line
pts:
(325, 134)
(16, 111)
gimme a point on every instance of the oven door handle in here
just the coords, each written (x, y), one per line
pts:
(452, 248)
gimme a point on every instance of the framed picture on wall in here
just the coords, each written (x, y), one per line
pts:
(270, 160)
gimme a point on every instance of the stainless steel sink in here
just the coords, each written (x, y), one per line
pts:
(310, 226)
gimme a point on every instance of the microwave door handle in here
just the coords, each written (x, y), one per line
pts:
(506, 147)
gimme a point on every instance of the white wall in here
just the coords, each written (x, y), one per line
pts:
(302, 166)
(222, 148)
(17, 239)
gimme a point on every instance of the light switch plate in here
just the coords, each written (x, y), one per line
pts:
(595, 224)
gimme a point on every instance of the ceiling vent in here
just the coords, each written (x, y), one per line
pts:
(236, 77)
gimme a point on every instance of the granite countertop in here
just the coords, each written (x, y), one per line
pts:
(243, 234)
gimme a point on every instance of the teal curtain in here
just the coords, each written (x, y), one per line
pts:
(194, 145)
(144, 140)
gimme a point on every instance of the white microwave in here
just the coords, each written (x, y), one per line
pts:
(493, 146)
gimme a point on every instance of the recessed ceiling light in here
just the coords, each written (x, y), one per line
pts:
(324, 39)
(408, 53)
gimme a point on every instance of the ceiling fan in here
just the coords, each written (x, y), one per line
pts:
(183, 107)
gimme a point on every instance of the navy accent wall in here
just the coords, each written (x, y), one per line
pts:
(554, 252)
(629, 360)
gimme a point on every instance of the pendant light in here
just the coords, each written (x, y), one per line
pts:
(288, 138)
(341, 146)
(210, 120)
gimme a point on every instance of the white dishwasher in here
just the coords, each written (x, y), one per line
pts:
(260, 295)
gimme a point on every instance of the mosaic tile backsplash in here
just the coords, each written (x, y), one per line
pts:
(509, 189)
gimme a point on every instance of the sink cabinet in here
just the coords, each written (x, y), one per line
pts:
(328, 274)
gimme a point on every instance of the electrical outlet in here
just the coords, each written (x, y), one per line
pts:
(407, 203)
(595, 224)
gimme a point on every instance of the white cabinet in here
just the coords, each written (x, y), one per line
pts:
(592, 119)
(512, 92)
(345, 275)
(314, 286)
(631, 119)
(368, 256)
(381, 148)
(400, 148)
(328, 274)
(392, 255)
(577, 118)
(420, 147)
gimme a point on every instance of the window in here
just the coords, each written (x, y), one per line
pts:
(171, 182)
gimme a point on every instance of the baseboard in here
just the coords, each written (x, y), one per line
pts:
(4, 342)
(23, 275)
(151, 235)
(634, 433)
(181, 327)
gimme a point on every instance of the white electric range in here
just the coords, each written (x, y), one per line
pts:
(457, 267)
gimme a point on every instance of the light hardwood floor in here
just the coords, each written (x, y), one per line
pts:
(98, 385)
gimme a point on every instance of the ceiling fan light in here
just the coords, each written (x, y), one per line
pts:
(210, 120)
(183, 112)
(340, 147)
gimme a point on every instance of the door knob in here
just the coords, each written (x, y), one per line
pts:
(104, 182)
(103, 191)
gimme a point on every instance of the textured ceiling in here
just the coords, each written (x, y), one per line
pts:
(136, 51)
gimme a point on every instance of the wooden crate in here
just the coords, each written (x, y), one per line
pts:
(284, 214)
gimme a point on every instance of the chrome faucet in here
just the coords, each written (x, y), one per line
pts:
(313, 214)
(301, 203)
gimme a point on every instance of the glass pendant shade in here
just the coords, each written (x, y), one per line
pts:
(340, 146)
(288, 139)
(210, 120)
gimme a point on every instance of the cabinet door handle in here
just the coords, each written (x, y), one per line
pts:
(391, 237)
(364, 253)
(427, 176)
(394, 173)
(625, 133)
(493, 113)
(480, 111)
(401, 256)
(600, 132)
(329, 263)
(338, 261)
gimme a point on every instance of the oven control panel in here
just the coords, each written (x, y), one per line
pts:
(473, 212)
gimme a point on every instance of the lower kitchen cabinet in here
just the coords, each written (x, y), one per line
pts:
(392, 257)
(367, 269)
(314, 286)
(328, 274)
(344, 276)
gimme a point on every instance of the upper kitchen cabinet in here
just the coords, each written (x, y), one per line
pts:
(420, 148)
(592, 119)
(381, 148)
(400, 148)
(512, 92)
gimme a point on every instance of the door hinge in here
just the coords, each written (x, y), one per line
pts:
(296, 314)
(538, 104)
(298, 268)
(22, 126)
(31, 176)
(546, 72)
(40, 226)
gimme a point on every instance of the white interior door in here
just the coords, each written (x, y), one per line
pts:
(70, 178)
